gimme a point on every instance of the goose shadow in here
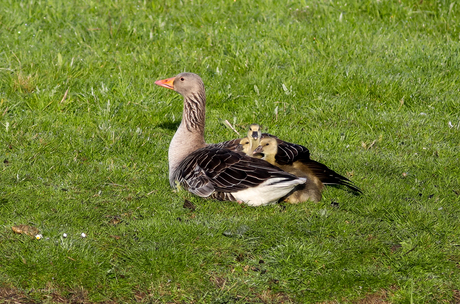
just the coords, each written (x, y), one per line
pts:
(168, 125)
(345, 188)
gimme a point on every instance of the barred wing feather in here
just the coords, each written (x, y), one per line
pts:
(210, 169)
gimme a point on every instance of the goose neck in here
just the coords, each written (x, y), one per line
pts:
(194, 114)
(190, 134)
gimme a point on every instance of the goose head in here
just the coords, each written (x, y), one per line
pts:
(244, 146)
(191, 87)
(186, 84)
(247, 148)
(268, 147)
(249, 143)
(254, 132)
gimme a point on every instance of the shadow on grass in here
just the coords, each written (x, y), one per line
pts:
(168, 125)
(345, 188)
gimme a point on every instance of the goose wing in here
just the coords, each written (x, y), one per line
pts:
(329, 176)
(289, 153)
(213, 169)
(230, 144)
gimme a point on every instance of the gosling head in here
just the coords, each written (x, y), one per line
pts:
(254, 132)
(244, 146)
(268, 147)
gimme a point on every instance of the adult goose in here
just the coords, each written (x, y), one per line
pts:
(216, 171)
(295, 159)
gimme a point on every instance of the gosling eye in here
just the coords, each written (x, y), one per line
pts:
(182, 79)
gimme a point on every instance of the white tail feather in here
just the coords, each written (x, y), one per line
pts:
(269, 192)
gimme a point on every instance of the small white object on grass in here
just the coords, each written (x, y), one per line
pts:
(83, 235)
(39, 236)
(64, 235)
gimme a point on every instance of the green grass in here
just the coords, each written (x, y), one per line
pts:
(370, 87)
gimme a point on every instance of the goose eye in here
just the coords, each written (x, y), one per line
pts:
(182, 79)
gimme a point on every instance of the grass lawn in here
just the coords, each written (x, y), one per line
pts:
(372, 88)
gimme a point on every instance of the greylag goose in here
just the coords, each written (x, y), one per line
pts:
(215, 171)
(295, 159)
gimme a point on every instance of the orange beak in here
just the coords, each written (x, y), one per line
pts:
(167, 83)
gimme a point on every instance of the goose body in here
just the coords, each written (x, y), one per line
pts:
(218, 170)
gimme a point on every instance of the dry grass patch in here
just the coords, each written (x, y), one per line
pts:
(379, 297)
(13, 295)
(456, 298)
(268, 296)
(25, 84)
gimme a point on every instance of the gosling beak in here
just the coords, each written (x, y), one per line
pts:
(167, 83)
(259, 149)
(239, 148)
(255, 134)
